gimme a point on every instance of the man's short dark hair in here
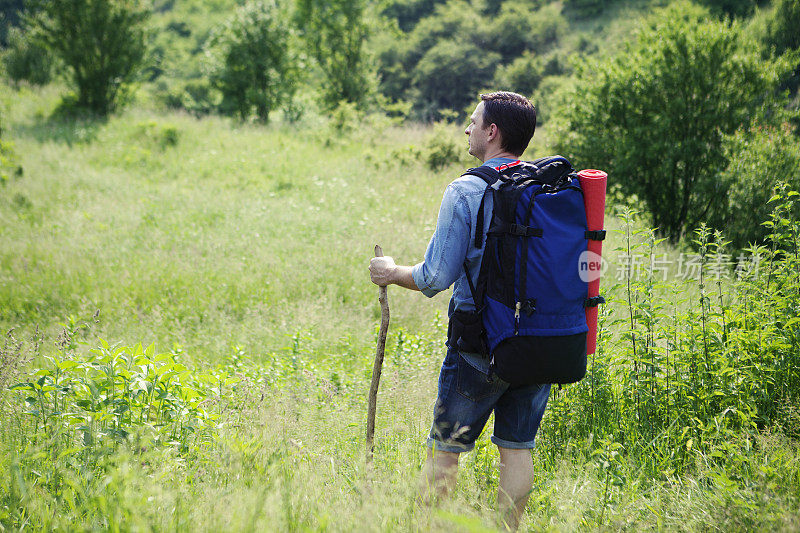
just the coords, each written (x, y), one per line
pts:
(515, 117)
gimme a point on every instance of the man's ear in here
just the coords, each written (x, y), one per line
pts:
(494, 131)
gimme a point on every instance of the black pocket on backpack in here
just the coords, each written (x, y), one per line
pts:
(551, 359)
(466, 330)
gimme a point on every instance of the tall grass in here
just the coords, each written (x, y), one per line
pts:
(248, 270)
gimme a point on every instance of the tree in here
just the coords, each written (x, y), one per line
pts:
(518, 28)
(450, 75)
(335, 31)
(655, 116)
(254, 68)
(432, 65)
(408, 12)
(102, 42)
(522, 75)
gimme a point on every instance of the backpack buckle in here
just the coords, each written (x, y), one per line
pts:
(529, 306)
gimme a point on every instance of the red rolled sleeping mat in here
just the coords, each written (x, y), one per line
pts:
(593, 183)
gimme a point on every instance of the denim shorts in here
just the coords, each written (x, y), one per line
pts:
(468, 395)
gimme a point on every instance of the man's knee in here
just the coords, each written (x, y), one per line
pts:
(515, 455)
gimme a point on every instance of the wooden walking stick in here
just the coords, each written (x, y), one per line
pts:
(383, 298)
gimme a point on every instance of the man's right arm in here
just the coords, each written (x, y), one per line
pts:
(444, 257)
(384, 272)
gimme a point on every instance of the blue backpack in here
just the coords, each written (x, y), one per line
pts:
(529, 297)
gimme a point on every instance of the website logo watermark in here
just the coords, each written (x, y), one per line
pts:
(591, 266)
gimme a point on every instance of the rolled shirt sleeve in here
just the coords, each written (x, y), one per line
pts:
(444, 258)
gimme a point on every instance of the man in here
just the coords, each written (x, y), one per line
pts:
(499, 131)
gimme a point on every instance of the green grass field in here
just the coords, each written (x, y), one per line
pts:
(241, 251)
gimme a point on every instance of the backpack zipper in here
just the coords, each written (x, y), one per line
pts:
(516, 318)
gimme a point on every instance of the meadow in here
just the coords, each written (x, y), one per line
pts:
(222, 386)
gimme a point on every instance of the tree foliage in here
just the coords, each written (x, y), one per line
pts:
(730, 8)
(335, 32)
(408, 12)
(10, 17)
(450, 74)
(254, 68)
(102, 42)
(476, 44)
(759, 159)
(783, 28)
(518, 28)
(585, 8)
(26, 59)
(656, 115)
(522, 75)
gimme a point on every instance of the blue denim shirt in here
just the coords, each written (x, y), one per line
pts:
(453, 241)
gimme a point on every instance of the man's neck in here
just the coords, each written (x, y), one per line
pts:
(499, 153)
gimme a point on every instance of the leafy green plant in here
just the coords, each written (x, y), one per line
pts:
(253, 65)
(663, 141)
(26, 59)
(335, 32)
(101, 42)
(441, 150)
(118, 393)
(758, 159)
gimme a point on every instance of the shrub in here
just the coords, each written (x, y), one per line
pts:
(335, 31)
(759, 159)
(8, 160)
(253, 66)
(102, 43)
(197, 97)
(656, 114)
(441, 152)
(26, 59)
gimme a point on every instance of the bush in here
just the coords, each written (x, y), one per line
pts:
(399, 56)
(335, 31)
(27, 60)
(197, 97)
(253, 66)
(759, 159)
(102, 42)
(655, 115)
(441, 150)
(10, 14)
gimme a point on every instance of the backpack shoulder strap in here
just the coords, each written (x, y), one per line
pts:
(489, 175)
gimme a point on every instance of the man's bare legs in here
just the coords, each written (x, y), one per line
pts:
(439, 474)
(516, 481)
